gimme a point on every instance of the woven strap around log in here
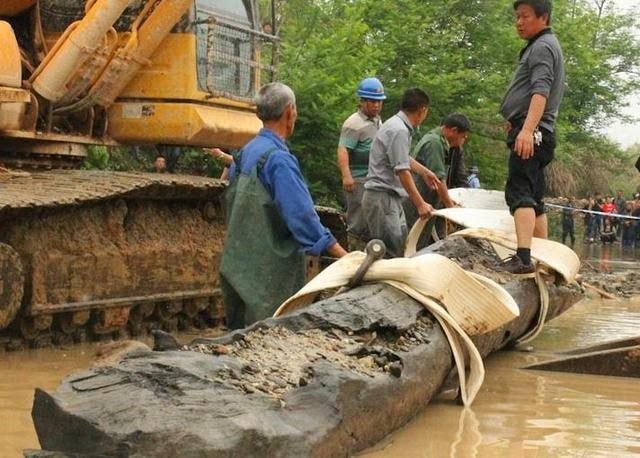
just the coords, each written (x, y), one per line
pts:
(496, 226)
(464, 303)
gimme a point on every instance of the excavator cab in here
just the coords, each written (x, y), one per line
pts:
(171, 72)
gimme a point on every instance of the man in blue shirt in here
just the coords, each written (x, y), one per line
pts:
(272, 221)
(473, 181)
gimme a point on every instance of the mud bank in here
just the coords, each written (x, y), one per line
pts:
(623, 284)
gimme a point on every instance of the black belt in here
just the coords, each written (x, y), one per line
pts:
(518, 121)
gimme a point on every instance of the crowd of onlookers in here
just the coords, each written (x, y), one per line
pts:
(606, 219)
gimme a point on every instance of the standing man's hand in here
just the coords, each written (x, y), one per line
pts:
(524, 144)
(424, 210)
(427, 175)
(348, 183)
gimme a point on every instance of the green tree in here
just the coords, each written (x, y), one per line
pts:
(324, 55)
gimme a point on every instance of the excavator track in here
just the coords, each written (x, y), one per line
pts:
(93, 254)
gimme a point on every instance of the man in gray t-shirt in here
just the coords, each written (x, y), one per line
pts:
(389, 178)
(530, 107)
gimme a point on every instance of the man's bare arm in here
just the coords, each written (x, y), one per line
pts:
(348, 183)
(429, 178)
(443, 194)
(424, 209)
(336, 250)
(427, 175)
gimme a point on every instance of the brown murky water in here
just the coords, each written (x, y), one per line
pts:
(523, 413)
(20, 373)
(518, 413)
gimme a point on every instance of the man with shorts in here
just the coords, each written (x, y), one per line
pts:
(530, 107)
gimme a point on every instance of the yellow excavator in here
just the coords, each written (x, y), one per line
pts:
(95, 252)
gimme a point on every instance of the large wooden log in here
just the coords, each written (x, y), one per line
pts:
(327, 380)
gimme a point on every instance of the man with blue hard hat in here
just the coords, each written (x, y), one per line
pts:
(356, 137)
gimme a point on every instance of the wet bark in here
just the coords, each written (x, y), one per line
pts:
(328, 380)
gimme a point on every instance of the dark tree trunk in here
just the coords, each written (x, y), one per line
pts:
(328, 380)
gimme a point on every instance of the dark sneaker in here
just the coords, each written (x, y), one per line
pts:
(514, 265)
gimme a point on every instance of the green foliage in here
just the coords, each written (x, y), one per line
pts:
(119, 158)
(325, 54)
(195, 161)
(97, 158)
(462, 52)
(132, 158)
(192, 161)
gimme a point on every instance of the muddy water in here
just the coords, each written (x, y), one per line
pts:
(523, 413)
(608, 257)
(20, 373)
(518, 413)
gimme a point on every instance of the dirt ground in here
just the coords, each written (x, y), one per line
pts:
(623, 284)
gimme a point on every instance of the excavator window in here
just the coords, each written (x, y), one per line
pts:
(229, 40)
(232, 51)
(230, 8)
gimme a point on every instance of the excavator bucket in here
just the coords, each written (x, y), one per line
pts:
(619, 358)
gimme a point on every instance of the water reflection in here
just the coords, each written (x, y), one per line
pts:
(518, 413)
(20, 374)
(608, 257)
(467, 437)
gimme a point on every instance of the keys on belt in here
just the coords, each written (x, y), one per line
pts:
(537, 137)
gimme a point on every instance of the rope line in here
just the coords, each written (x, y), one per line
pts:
(582, 210)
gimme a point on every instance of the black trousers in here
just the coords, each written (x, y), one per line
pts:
(567, 230)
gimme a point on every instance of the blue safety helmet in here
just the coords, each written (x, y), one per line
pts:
(371, 88)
